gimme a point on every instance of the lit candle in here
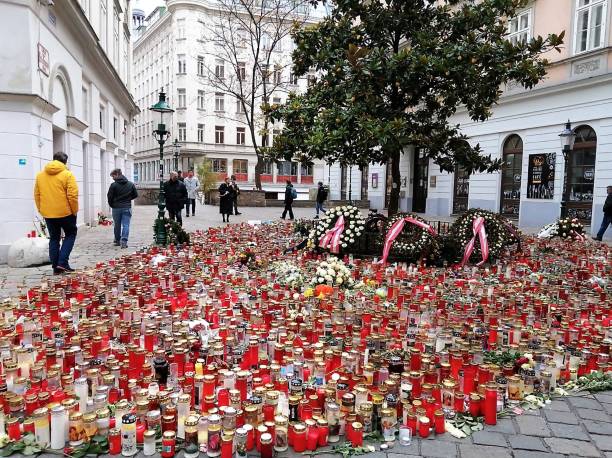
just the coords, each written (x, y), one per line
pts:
(490, 404)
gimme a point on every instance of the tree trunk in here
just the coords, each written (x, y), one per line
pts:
(258, 170)
(394, 197)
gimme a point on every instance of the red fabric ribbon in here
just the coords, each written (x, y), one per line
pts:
(478, 226)
(331, 239)
(396, 230)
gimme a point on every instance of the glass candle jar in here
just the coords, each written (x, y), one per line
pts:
(356, 434)
(128, 435)
(299, 437)
(323, 432)
(333, 420)
(191, 430)
(89, 423)
(227, 444)
(13, 428)
(388, 424)
(41, 426)
(168, 444)
(439, 424)
(424, 425)
(240, 442)
(149, 448)
(267, 450)
(214, 439)
(280, 429)
(76, 432)
(490, 404)
(114, 441)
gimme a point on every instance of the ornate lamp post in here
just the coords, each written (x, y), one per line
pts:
(161, 135)
(568, 137)
(177, 152)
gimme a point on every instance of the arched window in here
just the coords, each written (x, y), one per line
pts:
(461, 189)
(512, 156)
(581, 174)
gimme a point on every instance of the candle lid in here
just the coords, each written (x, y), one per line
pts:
(128, 419)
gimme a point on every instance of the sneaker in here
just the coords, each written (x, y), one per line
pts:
(596, 239)
(64, 269)
(57, 271)
(238, 213)
(116, 243)
(124, 245)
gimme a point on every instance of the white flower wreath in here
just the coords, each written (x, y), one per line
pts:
(354, 224)
(333, 272)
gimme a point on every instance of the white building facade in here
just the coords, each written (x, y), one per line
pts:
(64, 86)
(524, 132)
(175, 51)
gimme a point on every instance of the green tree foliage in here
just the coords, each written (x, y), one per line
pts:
(207, 178)
(388, 74)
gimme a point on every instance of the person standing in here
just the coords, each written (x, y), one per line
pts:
(236, 193)
(57, 199)
(120, 195)
(192, 184)
(226, 200)
(180, 176)
(607, 219)
(321, 197)
(290, 196)
(176, 197)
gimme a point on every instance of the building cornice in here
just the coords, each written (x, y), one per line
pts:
(76, 125)
(30, 103)
(96, 138)
(111, 145)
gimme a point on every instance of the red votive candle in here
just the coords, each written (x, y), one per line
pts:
(490, 404)
(299, 438)
(424, 427)
(439, 422)
(475, 404)
(357, 434)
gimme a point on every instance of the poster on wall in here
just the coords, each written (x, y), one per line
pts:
(541, 176)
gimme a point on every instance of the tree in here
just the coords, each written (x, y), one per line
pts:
(249, 64)
(206, 176)
(391, 73)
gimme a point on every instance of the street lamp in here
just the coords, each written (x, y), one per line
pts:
(161, 135)
(177, 151)
(568, 137)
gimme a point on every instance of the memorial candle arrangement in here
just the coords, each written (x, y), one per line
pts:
(189, 348)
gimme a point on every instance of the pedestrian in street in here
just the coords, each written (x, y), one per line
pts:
(176, 197)
(192, 184)
(607, 211)
(57, 199)
(290, 196)
(120, 195)
(180, 176)
(226, 200)
(321, 197)
(235, 194)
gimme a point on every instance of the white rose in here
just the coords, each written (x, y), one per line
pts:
(321, 279)
(330, 271)
(339, 280)
(344, 245)
(352, 241)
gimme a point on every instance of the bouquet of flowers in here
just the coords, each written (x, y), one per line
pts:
(103, 220)
(565, 228)
(288, 274)
(413, 240)
(333, 272)
(247, 256)
(339, 228)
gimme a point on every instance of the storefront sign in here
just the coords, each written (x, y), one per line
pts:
(541, 176)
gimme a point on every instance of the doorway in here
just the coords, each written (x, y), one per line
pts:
(419, 182)
(581, 175)
(461, 190)
(365, 173)
(512, 170)
(343, 181)
(388, 183)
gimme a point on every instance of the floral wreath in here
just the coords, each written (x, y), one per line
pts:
(570, 228)
(499, 233)
(354, 224)
(413, 242)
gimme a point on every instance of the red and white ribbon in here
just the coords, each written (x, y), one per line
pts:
(478, 226)
(576, 235)
(331, 239)
(396, 230)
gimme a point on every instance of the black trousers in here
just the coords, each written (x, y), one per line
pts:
(288, 209)
(175, 214)
(191, 202)
(236, 206)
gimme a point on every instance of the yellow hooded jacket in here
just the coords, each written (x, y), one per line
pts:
(56, 192)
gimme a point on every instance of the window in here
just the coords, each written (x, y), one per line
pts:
(103, 23)
(240, 135)
(102, 119)
(219, 101)
(287, 168)
(276, 101)
(242, 37)
(590, 24)
(201, 133)
(267, 167)
(182, 98)
(239, 107)
(219, 35)
(519, 28)
(311, 79)
(182, 132)
(115, 128)
(278, 75)
(240, 166)
(581, 174)
(182, 63)
(200, 66)
(85, 105)
(306, 170)
(264, 140)
(241, 71)
(180, 29)
(219, 69)
(116, 37)
(293, 78)
(266, 42)
(219, 134)
(218, 165)
(200, 100)
(265, 73)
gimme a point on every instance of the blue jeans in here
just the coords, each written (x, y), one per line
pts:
(607, 220)
(121, 219)
(60, 257)
(319, 207)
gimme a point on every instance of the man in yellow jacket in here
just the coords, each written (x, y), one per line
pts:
(57, 199)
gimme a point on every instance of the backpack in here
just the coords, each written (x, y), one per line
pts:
(323, 194)
(293, 193)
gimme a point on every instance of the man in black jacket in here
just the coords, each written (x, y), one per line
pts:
(607, 211)
(120, 195)
(176, 197)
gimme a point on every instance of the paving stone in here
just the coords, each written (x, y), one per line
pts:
(412, 449)
(571, 447)
(483, 451)
(603, 442)
(530, 454)
(532, 426)
(523, 442)
(504, 425)
(438, 449)
(561, 417)
(604, 397)
(489, 438)
(589, 414)
(584, 402)
(597, 427)
(559, 405)
(397, 455)
(568, 431)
